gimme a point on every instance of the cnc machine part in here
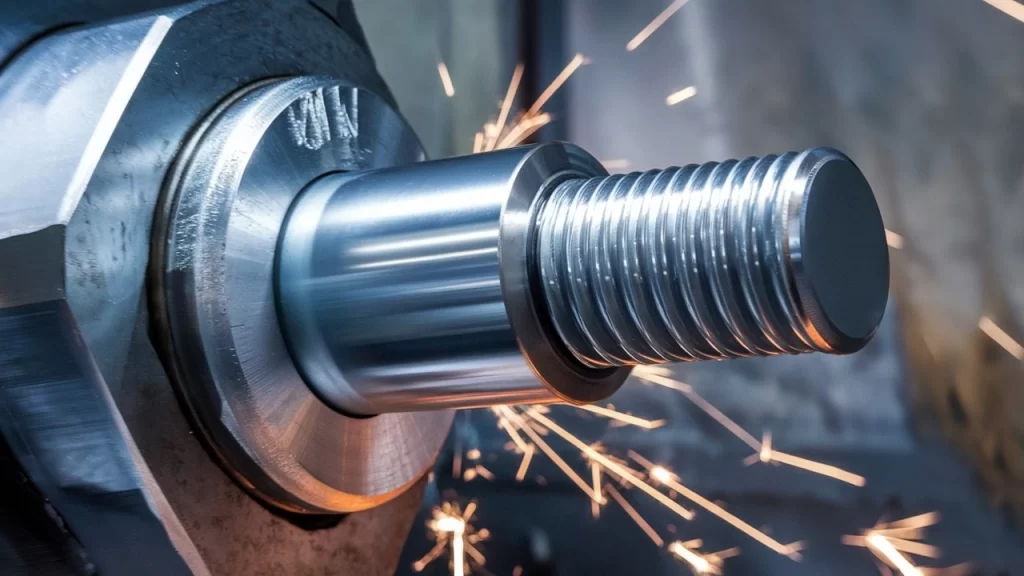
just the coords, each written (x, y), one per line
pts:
(99, 114)
(217, 307)
(530, 275)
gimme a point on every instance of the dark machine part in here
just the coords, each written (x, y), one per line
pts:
(236, 300)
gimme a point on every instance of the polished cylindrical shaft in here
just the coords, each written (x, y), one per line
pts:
(530, 275)
(408, 289)
(762, 256)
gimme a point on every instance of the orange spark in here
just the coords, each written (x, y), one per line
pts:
(446, 80)
(473, 454)
(651, 375)
(763, 449)
(514, 417)
(570, 68)
(627, 418)
(506, 107)
(893, 239)
(768, 455)
(908, 546)
(429, 557)
(818, 468)
(478, 142)
(611, 491)
(522, 130)
(595, 477)
(504, 423)
(525, 464)
(680, 95)
(611, 465)
(484, 472)
(1001, 337)
(892, 556)
(653, 26)
(916, 522)
(700, 564)
(666, 478)
(1008, 7)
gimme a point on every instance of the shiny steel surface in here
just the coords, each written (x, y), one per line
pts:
(61, 101)
(233, 367)
(774, 255)
(409, 288)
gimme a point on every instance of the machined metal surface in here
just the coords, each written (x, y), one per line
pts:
(60, 102)
(530, 275)
(410, 289)
(89, 412)
(762, 256)
(229, 205)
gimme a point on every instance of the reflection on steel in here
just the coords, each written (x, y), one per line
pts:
(417, 288)
(217, 283)
(60, 102)
(775, 255)
(410, 288)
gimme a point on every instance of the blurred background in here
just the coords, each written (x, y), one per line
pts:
(927, 96)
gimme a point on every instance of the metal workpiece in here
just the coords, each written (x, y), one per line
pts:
(530, 275)
(97, 115)
(228, 203)
(409, 289)
(762, 256)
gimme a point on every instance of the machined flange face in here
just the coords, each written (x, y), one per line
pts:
(234, 186)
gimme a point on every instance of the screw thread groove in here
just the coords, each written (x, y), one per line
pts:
(675, 265)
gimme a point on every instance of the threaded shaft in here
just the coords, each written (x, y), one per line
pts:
(695, 263)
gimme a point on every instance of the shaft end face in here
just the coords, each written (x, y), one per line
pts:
(840, 260)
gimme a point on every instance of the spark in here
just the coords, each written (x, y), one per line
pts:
(908, 546)
(429, 557)
(661, 474)
(889, 541)
(514, 417)
(446, 79)
(621, 417)
(484, 472)
(450, 525)
(506, 107)
(1008, 7)
(767, 455)
(469, 475)
(522, 130)
(512, 432)
(681, 95)
(595, 478)
(648, 374)
(1001, 337)
(893, 239)
(478, 142)
(653, 26)
(667, 479)
(612, 466)
(611, 491)
(525, 464)
(473, 454)
(570, 68)
(763, 449)
(616, 164)
(701, 563)
(892, 555)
